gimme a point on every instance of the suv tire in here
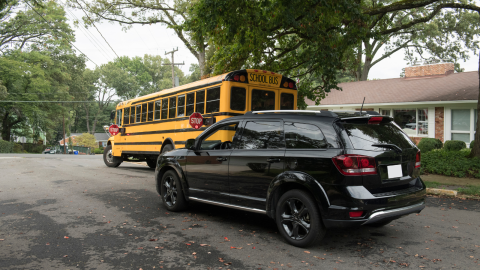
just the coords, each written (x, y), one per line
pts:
(298, 218)
(171, 192)
(108, 157)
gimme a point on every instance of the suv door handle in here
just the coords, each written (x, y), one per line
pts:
(272, 160)
(221, 159)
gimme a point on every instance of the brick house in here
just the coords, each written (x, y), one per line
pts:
(100, 138)
(431, 101)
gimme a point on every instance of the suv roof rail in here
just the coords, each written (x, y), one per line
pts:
(343, 114)
(322, 113)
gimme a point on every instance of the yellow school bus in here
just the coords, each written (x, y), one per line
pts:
(159, 122)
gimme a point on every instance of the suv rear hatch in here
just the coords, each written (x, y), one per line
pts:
(397, 159)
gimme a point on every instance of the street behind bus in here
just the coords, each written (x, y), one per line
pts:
(73, 212)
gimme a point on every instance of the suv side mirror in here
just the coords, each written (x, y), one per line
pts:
(112, 115)
(190, 144)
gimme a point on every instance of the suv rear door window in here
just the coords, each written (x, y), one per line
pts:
(363, 136)
(304, 136)
(262, 135)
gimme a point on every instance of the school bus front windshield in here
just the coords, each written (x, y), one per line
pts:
(160, 121)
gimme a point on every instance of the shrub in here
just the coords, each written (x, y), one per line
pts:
(6, 147)
(454, 145)
(428, 144)
(451, 163)
(17, 148)
(98, 151)
(471, 144)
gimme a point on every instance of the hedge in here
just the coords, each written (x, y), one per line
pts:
(6, 147)
(428, 144)
(454, 145)
(471, 144)
(451, 163)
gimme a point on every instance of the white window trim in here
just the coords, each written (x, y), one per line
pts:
(430, 121)
(448, 124)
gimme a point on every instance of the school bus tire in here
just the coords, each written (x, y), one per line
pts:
(167, 148)
(108, 157)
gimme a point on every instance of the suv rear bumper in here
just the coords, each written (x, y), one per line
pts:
(382, 215)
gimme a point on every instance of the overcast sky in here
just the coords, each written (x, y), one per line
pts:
(156, 40)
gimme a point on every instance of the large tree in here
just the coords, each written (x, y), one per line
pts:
(146, 12)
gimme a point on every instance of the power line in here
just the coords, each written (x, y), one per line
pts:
(100, 33)
(57, 32)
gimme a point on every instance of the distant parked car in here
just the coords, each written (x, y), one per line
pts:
(46, 151)
(411, 126)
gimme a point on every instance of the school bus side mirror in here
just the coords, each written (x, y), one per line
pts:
(190, 144)
(112, 115)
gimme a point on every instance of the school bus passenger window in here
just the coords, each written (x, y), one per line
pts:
(190, 104)
(213, 100)
(132, 115)
(286, 101)
(263, 100)
(238, 98)
(150, 111)
(181, 106)
(172, 107)
(200, 107)
(126, 116)
(139, 112)
(158, 107)
(164, 108)
(144, 112)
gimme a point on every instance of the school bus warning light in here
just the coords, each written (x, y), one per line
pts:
(196, 120)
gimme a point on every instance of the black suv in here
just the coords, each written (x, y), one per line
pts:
(308, 170)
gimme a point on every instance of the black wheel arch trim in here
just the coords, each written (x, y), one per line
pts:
(166, 163)
(301, 178)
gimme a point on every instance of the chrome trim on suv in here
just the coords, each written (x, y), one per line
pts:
(398, 212)
(254, 210)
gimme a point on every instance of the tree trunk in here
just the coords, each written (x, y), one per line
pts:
(201, 60)
(88, 122)
(366, 68)
(5, 128)
(358, 72)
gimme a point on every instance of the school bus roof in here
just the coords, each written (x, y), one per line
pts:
(194, 85)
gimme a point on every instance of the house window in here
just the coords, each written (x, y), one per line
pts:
(414, 122)
(385, 112)
(463, 125)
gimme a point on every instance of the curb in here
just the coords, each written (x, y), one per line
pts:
(438, 191)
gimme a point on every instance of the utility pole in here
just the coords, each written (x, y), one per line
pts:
(173, 65)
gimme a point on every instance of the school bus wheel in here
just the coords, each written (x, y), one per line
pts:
(108, 157)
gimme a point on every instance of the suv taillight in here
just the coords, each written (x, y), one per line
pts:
(355, 164)
(417, 160)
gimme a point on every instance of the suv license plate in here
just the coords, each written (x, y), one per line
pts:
(394, 171)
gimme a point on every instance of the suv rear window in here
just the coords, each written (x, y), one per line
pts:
(362, 136)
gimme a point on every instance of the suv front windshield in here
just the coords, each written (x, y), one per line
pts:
(362, 136)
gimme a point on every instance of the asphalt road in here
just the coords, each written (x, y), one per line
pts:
(73, 212)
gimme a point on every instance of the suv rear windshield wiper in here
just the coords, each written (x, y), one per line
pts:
(387, 145)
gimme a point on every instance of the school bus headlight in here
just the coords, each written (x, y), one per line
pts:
(242, 78)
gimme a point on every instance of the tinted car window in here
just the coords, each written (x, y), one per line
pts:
(221, 138)
(263, 100)
(362, 136)
(303, 136)
(262, 135)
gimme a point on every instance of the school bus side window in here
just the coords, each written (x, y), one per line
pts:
(190, 104)
(200, 106)
(126, 116)
(150, 111)
(158, 107)
(181, 106)
(139, 111)
(172, 107)
(164, 108)
(144, 112)
(238, 98)
(213, 100)
(132, 115)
